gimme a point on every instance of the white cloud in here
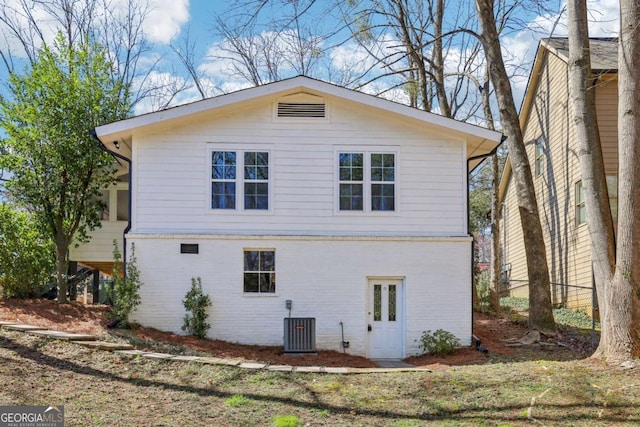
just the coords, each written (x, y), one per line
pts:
(166, 18)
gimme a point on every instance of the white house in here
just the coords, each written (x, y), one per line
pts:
(302, 199)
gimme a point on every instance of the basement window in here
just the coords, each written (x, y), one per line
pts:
(259, 271)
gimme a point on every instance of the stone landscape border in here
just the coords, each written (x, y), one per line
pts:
(127, 350)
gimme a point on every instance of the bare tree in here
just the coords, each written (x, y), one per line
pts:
(260, 55)
(540, 312)
(27, 25)
(582, 97)
(187, 56)
(623, 294)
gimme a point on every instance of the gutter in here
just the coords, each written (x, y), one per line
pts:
(128, 227)
(469, 160)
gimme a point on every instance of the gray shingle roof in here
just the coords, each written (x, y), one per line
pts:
(604, 51)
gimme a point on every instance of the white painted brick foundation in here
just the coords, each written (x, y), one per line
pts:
(325, 278)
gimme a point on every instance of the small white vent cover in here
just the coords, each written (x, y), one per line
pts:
(301, 106)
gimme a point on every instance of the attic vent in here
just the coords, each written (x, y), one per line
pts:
(301, 110)
(299, 335)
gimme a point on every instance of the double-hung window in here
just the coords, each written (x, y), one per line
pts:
(367, 181)
(256, 180)
(383, 177)
(259, 271)
(223, 180)
(240, 176)
(351, 181)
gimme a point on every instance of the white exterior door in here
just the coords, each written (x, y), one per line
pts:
(385, 319)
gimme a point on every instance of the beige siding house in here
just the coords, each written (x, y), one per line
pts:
(549, 135)
(302, 201)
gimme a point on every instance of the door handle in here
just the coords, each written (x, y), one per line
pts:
(369, 327)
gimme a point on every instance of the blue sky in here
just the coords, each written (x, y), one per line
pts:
(169, 21)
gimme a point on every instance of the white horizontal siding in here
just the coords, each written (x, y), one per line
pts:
(172, 175)
(100, 247)
(325, 278)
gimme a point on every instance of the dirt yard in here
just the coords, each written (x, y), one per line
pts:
(496, 333)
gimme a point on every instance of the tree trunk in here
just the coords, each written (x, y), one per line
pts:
(438, 60)
(540, 312)
(623, 295)
(594, 180)
(62, 248)
(494, 291)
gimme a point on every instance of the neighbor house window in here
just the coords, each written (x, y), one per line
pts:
(259, 271)
(581, 210)
(612, 187)
(351, 181)
(250, 186)
(539, 165)
(367, 181)
(223, 180)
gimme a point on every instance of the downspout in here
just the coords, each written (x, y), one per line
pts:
(128, 227)
(469, 160)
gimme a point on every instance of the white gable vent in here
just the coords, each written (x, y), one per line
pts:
(302, 110)
(301, 106)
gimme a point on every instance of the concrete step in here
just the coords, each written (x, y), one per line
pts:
(23, 328)
(7, 322)
(104, 345)
(63, 335)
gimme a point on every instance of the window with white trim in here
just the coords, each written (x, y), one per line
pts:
(251, 185)
(539, 162)
(383, 178)
(612, 187)
(581, 209)
(259, 271)
(351, 181)
(366, 181)
(223, 180)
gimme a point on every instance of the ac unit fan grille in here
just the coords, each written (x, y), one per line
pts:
(299, 335)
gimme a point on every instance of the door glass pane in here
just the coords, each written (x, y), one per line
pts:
(392, 303)
(377, 303)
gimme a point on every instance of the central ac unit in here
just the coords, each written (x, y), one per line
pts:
(299, 335)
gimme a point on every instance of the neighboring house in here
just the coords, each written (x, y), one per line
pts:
(303, 199)
(549, 135)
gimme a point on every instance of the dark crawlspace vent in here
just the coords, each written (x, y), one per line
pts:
(189, 248)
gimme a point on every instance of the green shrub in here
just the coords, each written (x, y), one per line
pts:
(27, 255)
(577, 318)
(514, 303)
(439, 343)
(196, 303)
(125, 293)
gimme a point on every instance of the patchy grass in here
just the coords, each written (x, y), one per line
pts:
(102, 389)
